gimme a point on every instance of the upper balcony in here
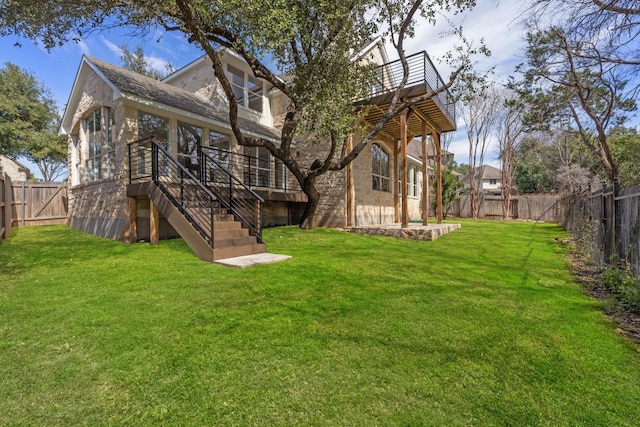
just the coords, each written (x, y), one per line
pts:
(438, 111)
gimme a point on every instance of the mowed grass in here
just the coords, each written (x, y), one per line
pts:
(484, 326)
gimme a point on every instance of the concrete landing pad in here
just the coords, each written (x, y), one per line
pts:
(247, 261)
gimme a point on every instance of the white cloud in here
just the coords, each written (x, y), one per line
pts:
(84, 47)
(157, 63)
(114, 48)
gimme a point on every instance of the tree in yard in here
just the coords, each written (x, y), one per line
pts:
(510, 133)
(451, 190)
(27, 119)
(581, 56)
(480, 112)
(625, 144)
(313, 40)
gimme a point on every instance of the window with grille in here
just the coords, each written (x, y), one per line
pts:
(380, 168)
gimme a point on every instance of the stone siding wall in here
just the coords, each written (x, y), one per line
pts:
(331, 211)
(201, 80)
(100, 207)
(372, 207)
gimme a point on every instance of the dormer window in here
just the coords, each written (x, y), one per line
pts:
(247, 89)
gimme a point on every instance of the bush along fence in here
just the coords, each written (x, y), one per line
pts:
(607, 223)
(31, 203)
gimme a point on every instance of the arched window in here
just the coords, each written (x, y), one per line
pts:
(380, 168)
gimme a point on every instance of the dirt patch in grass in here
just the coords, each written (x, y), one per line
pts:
(590, 276)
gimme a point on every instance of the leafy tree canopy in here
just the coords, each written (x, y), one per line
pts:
(625, 144)
(28, 122)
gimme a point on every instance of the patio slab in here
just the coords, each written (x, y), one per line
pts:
(413, 231)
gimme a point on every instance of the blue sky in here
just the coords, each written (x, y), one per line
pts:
(491, 20)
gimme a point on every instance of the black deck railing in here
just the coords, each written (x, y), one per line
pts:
(235, 195)
(198, 202)
(421, 70)
(255, 172)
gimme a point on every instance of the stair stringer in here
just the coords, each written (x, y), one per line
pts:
(183, 227)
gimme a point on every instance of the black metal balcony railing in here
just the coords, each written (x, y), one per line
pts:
(256, 172)
(421, 70)
(200, 194)
(232, 193)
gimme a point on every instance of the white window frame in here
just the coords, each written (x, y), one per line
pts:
(101, 144)
(251, 93)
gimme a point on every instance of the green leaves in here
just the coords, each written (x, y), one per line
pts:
(29, 121)
(26, 109)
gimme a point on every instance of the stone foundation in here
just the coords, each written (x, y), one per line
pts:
(415, 232)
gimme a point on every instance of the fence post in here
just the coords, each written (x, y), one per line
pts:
(8, 205)
(615, 216)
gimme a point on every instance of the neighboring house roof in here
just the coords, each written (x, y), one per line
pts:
(484, 173)
(135, 86)
(414, 149)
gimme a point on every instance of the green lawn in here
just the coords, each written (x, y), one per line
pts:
(484, 326)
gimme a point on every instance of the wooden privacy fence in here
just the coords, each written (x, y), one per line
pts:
(24, 204)
(609, 221)
(531, 207)
(6, 217)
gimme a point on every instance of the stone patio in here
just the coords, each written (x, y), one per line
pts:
(413, 231)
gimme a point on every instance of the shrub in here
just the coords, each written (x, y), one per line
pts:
(624, 287)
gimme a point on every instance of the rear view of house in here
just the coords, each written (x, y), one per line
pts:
(151, 159)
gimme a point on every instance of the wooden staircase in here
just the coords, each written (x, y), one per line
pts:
(219, 217)
(230, 238)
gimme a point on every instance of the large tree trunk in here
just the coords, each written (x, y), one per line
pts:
(313, 200)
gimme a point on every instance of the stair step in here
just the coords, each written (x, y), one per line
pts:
(226, 225)
(235, 251)
(221, 242)
(231, 233)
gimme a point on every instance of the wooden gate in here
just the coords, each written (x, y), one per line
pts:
(39, 203)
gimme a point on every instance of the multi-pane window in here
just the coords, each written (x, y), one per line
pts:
(263, 168)
(380, 168)
(257, 172)
(413, 181)
(110, 121)
(189, 140)
(247, 89)
(101, 141)
(220, 144)
(281, 175)
(94, 139)
(152, 125)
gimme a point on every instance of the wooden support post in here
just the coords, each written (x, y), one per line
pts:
(405, 183)
(394, 182)
(154, 223)
(436, 143)
(351, 212)
(425, 176)
(132, 232)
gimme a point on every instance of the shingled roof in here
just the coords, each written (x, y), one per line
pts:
(131, 83)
